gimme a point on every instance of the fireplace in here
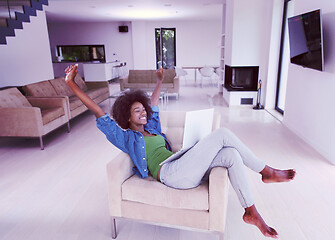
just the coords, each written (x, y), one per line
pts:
(241, 78)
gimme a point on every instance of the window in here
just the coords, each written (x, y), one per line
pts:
(165, 47)
(82, 53)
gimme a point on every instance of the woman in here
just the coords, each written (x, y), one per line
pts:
(136, 131)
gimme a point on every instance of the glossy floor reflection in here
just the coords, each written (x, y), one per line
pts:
(60, 193)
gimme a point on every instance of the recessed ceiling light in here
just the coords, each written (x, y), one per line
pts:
(130, 6)
(92, 6)
(167, 5)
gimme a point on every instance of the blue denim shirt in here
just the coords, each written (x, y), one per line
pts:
(132, 142)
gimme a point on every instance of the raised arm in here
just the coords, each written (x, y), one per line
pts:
(71, 72)
(157, 91)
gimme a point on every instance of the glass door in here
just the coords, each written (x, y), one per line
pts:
(284, 59)
(165, 47)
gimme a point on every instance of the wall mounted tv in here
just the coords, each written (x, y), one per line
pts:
(306, 40)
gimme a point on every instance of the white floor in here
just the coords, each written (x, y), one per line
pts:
(60, 193)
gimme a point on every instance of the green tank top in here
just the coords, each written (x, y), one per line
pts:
(156, 153)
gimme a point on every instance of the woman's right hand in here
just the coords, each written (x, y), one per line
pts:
(70, 73)
(160, 74)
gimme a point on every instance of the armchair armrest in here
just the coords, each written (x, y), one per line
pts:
(216, 121)
(118, 170)
(21, 122)
(176, 82)
(94, 85)
(218, 198)
(123, 81)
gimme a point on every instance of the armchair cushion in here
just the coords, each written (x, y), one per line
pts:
(150, 191)
(50, 114)
(51, 108)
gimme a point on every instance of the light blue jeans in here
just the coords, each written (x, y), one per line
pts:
(219, 149)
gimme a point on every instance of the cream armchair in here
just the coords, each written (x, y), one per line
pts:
(150, 201)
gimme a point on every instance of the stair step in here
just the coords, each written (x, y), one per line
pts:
(30, 10)
(37, 5)
(6, 31)
(16, 24)
(22, 17)
(3, 40)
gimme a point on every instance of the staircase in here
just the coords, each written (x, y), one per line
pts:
(14, 12)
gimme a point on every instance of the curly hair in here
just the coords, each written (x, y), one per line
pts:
(122, 106)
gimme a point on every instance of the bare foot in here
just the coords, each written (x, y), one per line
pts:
(271, 175)
(251, 216)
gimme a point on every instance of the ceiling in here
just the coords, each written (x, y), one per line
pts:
(132, 10)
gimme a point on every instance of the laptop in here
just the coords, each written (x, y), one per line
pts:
(198, 124)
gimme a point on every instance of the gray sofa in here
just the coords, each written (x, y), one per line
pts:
(146, 79)
(97, 91)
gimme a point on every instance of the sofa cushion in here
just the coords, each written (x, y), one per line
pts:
(40, 89)
(74, 102)
(94, 93)
(150, 191)
(61, 87)
(80, 82)
(13, 98)
(140, 76)
(164, 85)
(137, 85)
(50, 114)
(169, 75)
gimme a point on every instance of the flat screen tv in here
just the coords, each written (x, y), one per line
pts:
(306, 40)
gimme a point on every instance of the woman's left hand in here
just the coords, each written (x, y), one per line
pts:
(160, 74)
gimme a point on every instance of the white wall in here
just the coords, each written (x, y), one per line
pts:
(105, 33)
(26, 58)
(248, 35)
(197, 42)
(139, 45)
(270, 86)
(309, 109)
